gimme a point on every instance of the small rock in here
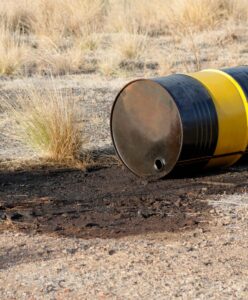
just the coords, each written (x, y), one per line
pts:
(178, 203)
(145, 213)
(58, 228)
(111, 252)
(3, 216)
(16, 216)
(144, 182)
(71, 251)
(226, 221)
(50, 288)
(190, 249)
(90, 225)
(208, 263)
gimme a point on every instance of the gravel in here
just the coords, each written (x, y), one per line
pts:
(209, 262)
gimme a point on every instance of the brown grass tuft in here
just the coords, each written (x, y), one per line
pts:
(49, 121)
(56, 60)
(130, 45)
(13, 53)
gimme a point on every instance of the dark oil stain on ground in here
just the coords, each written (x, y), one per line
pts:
(109, 202)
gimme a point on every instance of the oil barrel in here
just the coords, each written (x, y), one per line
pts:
(158, 124)
(195, 120)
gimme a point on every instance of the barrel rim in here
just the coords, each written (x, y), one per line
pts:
(151, 177)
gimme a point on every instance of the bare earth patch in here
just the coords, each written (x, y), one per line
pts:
(105, 234)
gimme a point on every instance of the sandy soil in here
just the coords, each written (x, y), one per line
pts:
(199, 263)
(105, 234)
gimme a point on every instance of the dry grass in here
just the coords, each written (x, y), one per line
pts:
(161, 16)
(51, 58)
(130, 45)
(49, 121)
(68, 28)
(13, 53)
(109, 65)
(52, 17)
(137, 15)
(59, 36)
(194, 14)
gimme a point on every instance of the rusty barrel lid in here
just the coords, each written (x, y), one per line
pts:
(146, 129)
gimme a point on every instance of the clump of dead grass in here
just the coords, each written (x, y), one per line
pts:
(13, 53)
(193, 14)
(52, 17)
(48, 120)
(56, 60)
(124, 47)
(109, 65)
(130, 45)
(18, 16)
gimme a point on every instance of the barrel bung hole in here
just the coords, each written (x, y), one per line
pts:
(159, 164)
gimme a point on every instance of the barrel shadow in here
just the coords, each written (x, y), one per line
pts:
(109, 202)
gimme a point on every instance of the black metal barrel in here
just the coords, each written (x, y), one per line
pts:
(157, 124)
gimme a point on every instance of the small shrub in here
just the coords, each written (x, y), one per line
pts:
(48, 120)
(50, 58)
(130, 46)
(109, 66)
(13, 53)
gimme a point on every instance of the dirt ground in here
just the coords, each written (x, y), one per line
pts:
(105, 234)
(108, 202)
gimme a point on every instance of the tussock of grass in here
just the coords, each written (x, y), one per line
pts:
(52, 17)
(50, 58)
(49, 121)
(194, 14)
(13, 53)
(89, 42)
(130, 46)
(17, 16)
(109, 66)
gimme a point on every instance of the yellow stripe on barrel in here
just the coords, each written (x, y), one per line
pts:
(231, 106)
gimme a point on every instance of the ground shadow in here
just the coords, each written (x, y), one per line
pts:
(109, 202)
